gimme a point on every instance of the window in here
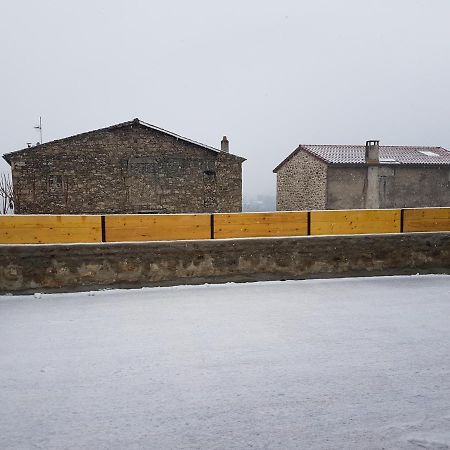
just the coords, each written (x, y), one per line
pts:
(425, 152)
(55, 183)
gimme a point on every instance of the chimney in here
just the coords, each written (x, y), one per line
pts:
(372, 152)
(372, 184)
(225, 145)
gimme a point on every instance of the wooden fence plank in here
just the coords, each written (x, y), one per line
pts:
(152, 227)
(426, 219)
(357, 221)
(35, 229)
(240, 225)
(139, 227)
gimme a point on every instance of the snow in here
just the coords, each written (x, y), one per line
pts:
(318, 364)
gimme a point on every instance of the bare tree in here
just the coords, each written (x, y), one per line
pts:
(6, 194)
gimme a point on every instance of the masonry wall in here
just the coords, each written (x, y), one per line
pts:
(414, 186)
(399, 186)
(125, 170)
(301, 183)
(86, 266)
(346, 187)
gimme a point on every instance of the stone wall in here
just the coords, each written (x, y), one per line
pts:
(399, 186)
(305, 182)
(37, 268)
(414, 187)
(125, 170)
(301, 183)
(346, 187)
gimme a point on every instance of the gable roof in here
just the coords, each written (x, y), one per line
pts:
(389, 154)
(134, 122)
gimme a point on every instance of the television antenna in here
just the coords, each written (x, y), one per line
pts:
(39, 127)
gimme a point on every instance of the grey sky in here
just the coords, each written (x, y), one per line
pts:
(268, 74)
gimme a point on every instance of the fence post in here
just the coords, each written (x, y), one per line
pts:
(103, 228)
(212, 226)
(308, 223)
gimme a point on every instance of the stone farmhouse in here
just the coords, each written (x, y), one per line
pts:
(358, 176)
(131, 167)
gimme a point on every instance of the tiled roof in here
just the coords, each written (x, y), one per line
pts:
(355, 154)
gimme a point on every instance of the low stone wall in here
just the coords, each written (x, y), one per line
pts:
(31, 268)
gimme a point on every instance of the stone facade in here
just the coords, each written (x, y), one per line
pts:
(414, 186)
(302, 183)
(126, 168)
(345, 187)
(31, 268)
(398, 186)
(305, 181)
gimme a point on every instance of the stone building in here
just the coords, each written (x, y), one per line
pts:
(131, 167)
(358, 176)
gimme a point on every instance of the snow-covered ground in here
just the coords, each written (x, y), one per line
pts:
(318, 364)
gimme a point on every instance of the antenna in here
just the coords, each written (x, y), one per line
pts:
(39, 127)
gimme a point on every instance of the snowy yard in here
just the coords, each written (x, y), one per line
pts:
(319, 364)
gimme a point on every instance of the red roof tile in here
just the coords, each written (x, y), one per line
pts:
(355, 155)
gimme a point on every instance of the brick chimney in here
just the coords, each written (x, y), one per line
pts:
(225, 145)
(372, 152)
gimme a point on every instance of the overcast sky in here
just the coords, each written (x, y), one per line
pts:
(268, 74)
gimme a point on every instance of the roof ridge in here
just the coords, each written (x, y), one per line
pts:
(363, 145)
(331, 145)
(171, 133)
(7, 156)
(355, 155)
(412, 146)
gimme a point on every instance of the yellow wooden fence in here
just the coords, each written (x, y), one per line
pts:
(153, 227)
(357, 221)
(260, 224)
(39, 229)
(426, 219)
(49, 229)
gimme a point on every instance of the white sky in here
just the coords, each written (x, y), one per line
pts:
(268, 74)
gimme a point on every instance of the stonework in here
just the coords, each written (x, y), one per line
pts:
(398, 187)
(306, 181)
(346, 186)
(302, 183)
(128, 168)
(31, 268)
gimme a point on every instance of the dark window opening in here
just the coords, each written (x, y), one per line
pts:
(55, 183)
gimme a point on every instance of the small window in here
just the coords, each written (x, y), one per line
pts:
(55, 183)
(388, 161)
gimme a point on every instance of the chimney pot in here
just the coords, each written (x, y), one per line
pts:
(372, 152)
(225, 145)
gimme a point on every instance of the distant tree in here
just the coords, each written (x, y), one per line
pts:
(6, 194)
